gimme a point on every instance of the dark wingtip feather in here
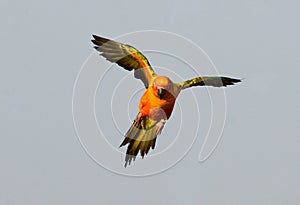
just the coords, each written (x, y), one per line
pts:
(100, 40)
(229, 81)
(96, 47)
(96, 37)
(236, 80)
(95, 42)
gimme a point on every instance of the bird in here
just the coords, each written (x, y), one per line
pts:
(158, 100)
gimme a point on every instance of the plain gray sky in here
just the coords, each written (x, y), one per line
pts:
(43, 45)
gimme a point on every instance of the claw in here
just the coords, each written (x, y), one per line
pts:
(160, 125)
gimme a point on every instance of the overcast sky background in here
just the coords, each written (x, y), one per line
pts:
(44, 44)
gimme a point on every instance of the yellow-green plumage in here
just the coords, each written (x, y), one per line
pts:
(215, 81)
(140, 137)
(158, 100)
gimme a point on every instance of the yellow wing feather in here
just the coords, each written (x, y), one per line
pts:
(140, 137)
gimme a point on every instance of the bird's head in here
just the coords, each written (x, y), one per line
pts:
(161, 86)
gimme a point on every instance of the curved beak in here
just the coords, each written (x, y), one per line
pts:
(161, 93)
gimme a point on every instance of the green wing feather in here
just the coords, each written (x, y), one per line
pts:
(125, 56)
(215, 81)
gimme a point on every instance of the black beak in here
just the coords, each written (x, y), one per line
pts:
(161, 93)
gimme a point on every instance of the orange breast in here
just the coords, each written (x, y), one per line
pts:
(156, 109)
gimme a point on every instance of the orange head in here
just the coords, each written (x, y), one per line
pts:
(161, 85)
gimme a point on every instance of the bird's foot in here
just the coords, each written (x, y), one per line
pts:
(160, 125)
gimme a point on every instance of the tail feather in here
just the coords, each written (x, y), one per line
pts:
(140, 137)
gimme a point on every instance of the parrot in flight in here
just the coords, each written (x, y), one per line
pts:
(157, 102)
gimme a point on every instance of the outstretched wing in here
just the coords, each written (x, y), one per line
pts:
(125, 56)
(217, 81)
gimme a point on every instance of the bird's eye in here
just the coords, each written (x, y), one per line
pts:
(161, 93)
